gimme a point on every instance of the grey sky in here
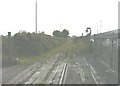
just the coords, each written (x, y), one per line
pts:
(74, 15)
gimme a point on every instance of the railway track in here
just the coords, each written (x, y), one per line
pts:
(36, 73)
(93, 73)
(81, 72)
(23, 76)
(40, 75)
(12, 72)
(56, 76)
(58, 70)
(85, 73)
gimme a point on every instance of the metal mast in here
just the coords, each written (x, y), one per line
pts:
(100, 25)
(97, 27)
(60, 27)
(36, 17)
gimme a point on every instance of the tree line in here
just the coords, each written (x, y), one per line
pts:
(31, 44)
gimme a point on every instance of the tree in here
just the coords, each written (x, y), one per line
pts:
(65, 33)
(57, 33)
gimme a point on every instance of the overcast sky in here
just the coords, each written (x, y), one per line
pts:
(74, 15)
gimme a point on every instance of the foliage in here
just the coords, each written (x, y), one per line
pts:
(57, 33)
(30, 44)
(31, 47)
(64, 33)
(69, 48)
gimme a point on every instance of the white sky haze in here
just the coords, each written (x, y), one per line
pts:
(74, 15)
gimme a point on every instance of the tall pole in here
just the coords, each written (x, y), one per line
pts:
(100, 25)
(60, 27)
(119, 15)
(97, 27)
(36, 17)
(9, 47)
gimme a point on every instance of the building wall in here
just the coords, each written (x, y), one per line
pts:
(106, 48)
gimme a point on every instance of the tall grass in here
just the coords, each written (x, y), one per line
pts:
(69, 48)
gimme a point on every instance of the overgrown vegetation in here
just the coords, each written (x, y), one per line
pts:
(32, 47)
(68, 48)
(29, 44)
